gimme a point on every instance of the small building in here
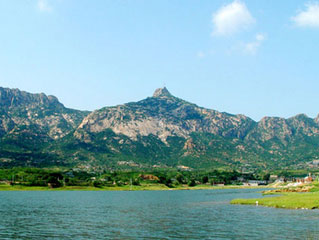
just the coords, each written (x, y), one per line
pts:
(255, 183)
(273, 177)
(281, 180)
(184, 168)
(309, 178)
(219, 184)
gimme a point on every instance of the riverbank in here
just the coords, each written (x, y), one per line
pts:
(301, 197)
(142, 187)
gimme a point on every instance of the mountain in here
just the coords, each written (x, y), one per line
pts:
(29, 122)
(161, 130)
(163, 116)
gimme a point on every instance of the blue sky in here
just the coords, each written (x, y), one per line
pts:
(258, 58)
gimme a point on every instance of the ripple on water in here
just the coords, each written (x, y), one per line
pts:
(204, 214)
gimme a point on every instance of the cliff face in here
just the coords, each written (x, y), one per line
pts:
(160, 130)
(164, 115)
(37, 113)
(11, 98)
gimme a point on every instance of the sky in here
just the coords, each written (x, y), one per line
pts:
(253, 57)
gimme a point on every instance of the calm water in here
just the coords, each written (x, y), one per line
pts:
(204, 214)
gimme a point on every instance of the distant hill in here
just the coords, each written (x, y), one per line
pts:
(162, 130)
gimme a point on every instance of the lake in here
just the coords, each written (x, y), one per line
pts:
(198, 214)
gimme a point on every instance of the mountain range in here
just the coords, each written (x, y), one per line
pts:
(159, 131)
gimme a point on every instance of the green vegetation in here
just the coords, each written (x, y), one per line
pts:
(287, 200)
(292, 198)
(142, 187)
(75, 179)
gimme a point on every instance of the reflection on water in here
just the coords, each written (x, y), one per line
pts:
(204, 214)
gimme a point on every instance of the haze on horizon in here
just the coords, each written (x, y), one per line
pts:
(257, 58)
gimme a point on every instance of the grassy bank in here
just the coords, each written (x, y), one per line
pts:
(288, 200)
(291, 198)
(142, 187)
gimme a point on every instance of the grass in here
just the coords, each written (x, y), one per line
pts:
(142, 187)
(290, 200)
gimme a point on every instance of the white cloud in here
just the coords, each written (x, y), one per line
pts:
(44, 6)
(201, 54)
(260, 37)
(252, 47)
(308, 17)
(232, 18)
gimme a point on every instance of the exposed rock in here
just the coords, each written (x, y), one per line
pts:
(189, 144)
(161, 130)
(164, 115)
(43, 113)
(162, 92)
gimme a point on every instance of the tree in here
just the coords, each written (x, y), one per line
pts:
(192, 183)
(136, 182)
(180, 178)
(266, 177)
(55, 179)
(205, 179)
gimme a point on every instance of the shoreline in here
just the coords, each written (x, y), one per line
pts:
(302, 197)
(150, 187)
(306, 201)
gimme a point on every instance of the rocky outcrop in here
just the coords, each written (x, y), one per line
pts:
(162, 92)
(284, 130)
(164, 115)
(12, 98)
(44, 113)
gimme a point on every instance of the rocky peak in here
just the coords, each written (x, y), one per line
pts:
(36, 114)
(162, 92)
(10, 98)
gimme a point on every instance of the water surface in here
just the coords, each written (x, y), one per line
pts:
(200, 214)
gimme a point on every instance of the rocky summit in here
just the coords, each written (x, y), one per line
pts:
(159, 131)
(162, 92)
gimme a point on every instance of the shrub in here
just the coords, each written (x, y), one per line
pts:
(192, 183)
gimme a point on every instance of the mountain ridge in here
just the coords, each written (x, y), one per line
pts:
(158, 130)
